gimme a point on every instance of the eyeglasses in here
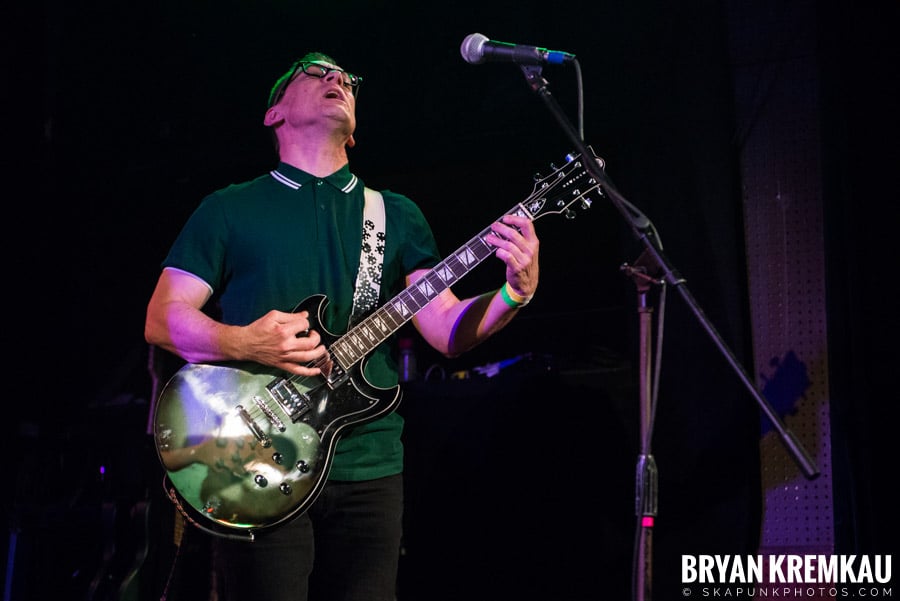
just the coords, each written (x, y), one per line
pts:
(348, 80)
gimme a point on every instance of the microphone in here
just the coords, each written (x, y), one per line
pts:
(476, 49)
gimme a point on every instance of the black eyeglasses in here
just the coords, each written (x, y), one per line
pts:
(349, 80)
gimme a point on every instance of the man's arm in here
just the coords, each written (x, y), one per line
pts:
(176, 322)
(453, 326)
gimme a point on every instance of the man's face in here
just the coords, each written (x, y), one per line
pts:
(319, 90)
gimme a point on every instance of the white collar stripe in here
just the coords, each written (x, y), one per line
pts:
(351, 184)
(296, 186)
(285, 180)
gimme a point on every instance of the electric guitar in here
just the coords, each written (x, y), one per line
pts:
(247, 447)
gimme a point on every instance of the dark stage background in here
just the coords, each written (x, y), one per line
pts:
(520, 486)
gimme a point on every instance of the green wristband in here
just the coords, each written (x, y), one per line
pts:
(509, 300)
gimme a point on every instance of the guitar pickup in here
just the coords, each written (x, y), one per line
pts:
(294, 402)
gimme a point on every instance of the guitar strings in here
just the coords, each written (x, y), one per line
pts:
(549, 183)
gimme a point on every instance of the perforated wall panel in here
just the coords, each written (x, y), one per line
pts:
(781, 174)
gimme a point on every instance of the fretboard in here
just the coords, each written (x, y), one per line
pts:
(362, 338)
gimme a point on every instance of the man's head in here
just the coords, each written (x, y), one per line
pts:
(314, 86)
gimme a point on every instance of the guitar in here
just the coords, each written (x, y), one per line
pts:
(247, 448)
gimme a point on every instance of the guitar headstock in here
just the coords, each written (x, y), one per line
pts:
(566, 189)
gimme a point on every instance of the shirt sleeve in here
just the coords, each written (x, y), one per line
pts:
(408, 228)
(199, 248)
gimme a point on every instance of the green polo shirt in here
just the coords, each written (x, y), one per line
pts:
(271, 242)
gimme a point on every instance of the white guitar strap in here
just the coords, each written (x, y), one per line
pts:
(371, 256)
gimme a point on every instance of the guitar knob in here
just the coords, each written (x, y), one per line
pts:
(260, 480)
(303, 466)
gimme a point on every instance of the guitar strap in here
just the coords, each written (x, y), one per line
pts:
(371, 256)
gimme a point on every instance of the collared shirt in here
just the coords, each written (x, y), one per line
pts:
(276, 240)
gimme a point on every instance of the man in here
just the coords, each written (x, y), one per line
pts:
(254, 250)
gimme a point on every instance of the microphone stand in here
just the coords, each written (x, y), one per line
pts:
(644, 232)
(646, 475)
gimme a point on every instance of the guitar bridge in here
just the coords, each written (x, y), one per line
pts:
(270, 415)
(258, 432)
(294, 402)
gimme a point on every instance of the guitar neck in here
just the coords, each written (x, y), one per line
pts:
(556, 193)
(362, 338)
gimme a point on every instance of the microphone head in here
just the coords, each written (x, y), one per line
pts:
(472, 48)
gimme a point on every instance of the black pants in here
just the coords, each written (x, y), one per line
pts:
(346, 547)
